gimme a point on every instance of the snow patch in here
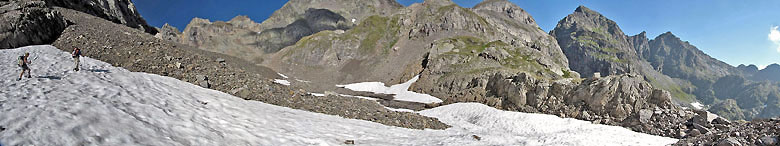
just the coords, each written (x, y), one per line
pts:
(106, 105)
(400, 90)
(317, 94)
(283, 82)
(697, 105)
(302, 81)
(498, 127)
(398, 109)
(283, 76)
(361, 97)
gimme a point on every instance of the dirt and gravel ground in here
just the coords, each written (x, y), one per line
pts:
(756, 132)
(141, 52)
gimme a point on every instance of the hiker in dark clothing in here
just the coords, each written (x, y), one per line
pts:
(23, 62)
(76, 55)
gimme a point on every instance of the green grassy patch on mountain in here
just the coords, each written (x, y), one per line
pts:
(607, 57)
(478, 56)
(375, 33)
(591, 42)
(376, 28)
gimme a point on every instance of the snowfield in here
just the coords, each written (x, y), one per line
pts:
(105, 105)
(401, 91)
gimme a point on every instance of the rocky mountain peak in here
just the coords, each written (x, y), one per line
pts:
(239, 18)
(593, 43)
(489, 3)
(750, 69)
(641, 44)
(589, 20)
(293, 9)
(197, 20)
(667, 36)
(586, 10)
(439, 2)
(642, 34)
(243, 21)
(168, 32)
(673, 42)
(507, 8)
(772, 67)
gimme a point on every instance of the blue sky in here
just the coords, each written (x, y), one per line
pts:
(736, 32)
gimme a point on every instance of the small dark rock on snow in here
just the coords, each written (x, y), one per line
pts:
(349, 142)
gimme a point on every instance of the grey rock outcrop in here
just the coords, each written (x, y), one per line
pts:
(244, 38)
(350, 10)
(28, 23)
(117, 11)
(168, 33)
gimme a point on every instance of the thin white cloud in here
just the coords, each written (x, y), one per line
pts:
(774, 36)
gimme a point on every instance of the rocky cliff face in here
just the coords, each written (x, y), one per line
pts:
(238, 37)
(255, 42)
(117, 11)
(222, 37)
(423, 36)
(28, 23)
(350, 10)
(34, 22)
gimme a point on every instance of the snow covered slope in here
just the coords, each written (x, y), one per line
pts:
(105, 105)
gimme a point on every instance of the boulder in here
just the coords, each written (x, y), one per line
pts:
(694, 132)
(768, 140)
(661, 98)
(701, 128)
(731, 141)
(721, 120)
(201, 77)
(645, 115)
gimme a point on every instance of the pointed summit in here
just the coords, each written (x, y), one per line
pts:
(642, 34)
(670, 38)
(667, 34)
(586, 10)
(439, 2)
(509, 9)
(485, 3)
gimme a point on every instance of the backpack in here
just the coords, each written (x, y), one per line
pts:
(21, 61)
(76, 53)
